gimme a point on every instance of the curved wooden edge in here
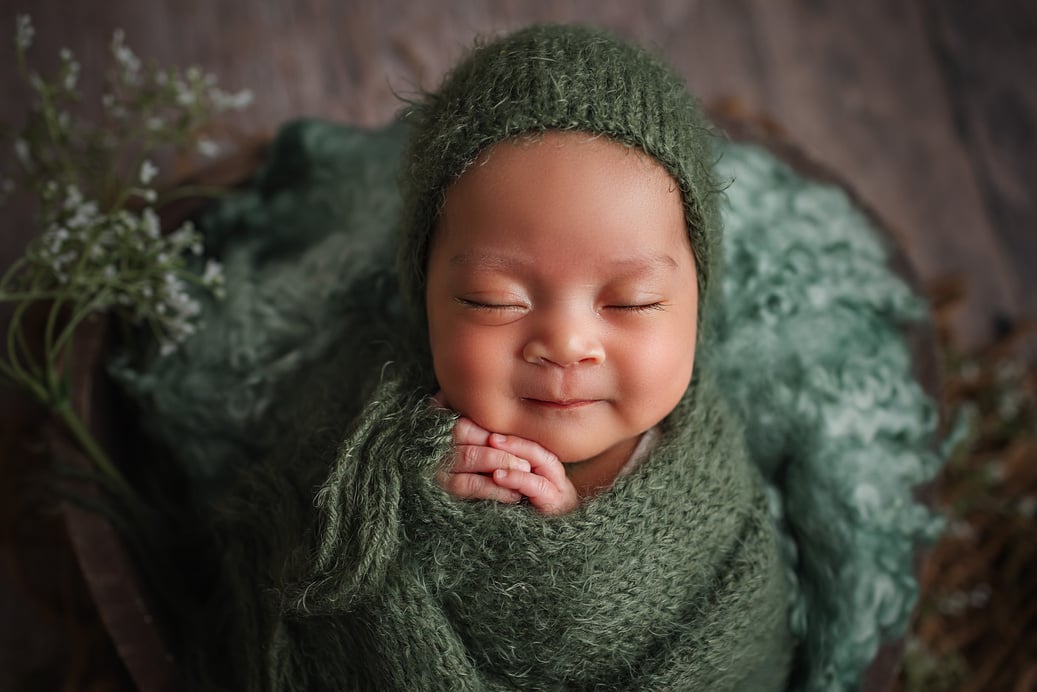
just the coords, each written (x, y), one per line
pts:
(120, 595)
(109, 572)
(115, 586)
(114, 581)
(227, 172)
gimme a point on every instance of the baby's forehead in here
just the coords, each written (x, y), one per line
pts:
(636, 263)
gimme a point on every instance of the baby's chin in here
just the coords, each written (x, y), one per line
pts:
(557, 438)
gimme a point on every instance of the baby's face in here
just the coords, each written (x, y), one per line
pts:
(562, 295)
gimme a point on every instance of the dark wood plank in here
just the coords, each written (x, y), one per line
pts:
(855, 85)
(988, 61)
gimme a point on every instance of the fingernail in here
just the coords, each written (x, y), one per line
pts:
(498, 438)
(500, 474)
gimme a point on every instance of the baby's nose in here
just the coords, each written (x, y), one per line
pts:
(564, 344)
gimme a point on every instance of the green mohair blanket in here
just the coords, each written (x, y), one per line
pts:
(286, 390)
(671, 580)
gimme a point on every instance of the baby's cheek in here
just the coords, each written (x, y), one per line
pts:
(657, 371)
(471, 370)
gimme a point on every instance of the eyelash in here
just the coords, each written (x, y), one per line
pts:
(637, 308)
(476, 305)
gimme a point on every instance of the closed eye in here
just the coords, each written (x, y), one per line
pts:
(645, 307)
(480, 305)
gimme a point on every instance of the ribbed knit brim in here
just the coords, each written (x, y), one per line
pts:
(555, 77)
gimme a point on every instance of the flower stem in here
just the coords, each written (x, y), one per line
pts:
(92, 449)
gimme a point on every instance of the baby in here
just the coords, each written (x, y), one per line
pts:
(562, 224)
(557, 261)
(562, 307)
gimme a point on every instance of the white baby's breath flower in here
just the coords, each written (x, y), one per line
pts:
(148, 171)
(99, 259)
(184, 95)
(71, 70)
(126, 58)
(73, 198)
(150, 223)
(72, 76)
(224, 101)
(24, 32)
(213, 274)
(145, 193)
(83, 215)
(7, 188)
(24, 154)
(180, 237)
(207, 148)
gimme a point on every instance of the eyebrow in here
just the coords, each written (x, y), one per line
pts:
(635, 264)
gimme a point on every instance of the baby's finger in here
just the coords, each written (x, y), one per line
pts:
(474, 486)
(540, 460)
(467, 432)
(529, 484)
(479, 459)
(542, 493)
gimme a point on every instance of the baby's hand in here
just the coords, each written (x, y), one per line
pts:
(470, 477)
(545, 484)
(490, 466)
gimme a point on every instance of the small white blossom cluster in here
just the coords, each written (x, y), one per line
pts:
(23, 33)
(122, 262)
(170, 103)
(102, 247)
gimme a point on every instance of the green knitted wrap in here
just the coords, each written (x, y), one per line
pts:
(671, 580)
(555, 78)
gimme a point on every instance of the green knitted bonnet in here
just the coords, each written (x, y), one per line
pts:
(555, 77)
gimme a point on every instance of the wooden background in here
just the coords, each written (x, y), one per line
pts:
(926, 107)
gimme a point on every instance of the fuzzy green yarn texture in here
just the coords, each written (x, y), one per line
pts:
(672, 580)
(809, 355)
(555, 77)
